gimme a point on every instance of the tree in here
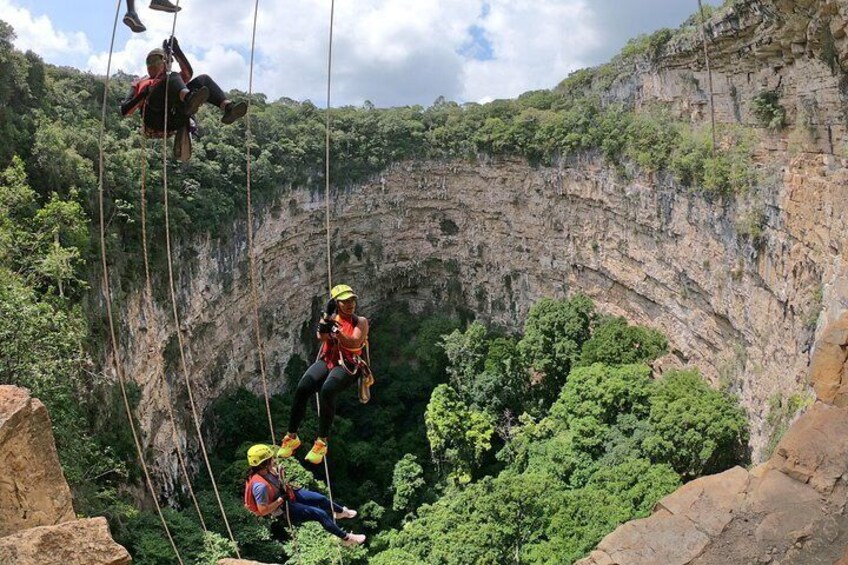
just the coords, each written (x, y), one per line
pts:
(459, 436)
(554, 332)
(615, 342)
(695, 429)
(488, 373)
(407, 481)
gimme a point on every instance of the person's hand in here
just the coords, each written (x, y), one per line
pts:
(145, 92)
(325, 325)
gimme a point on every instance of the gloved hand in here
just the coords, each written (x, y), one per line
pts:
(171, 46)
(327, 326)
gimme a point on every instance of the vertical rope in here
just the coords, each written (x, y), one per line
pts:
(709, 72)
(177, 326)
(148, 289)
(327, 152)
(327, 228)
(108, 293)
(260, 347)
(281, 473)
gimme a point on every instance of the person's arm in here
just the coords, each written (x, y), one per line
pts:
(186, 72)
(260, 494)
(265, 509)
(133, 100)
(360, 334)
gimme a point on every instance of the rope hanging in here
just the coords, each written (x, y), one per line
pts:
(709, 72)
(260, 347)
(252, 258)
(148, 290)
(327, 229)
(327, 151)
(108, 294)
(177, 326)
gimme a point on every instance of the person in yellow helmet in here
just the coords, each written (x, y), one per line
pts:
(266, 493)
(342, 335)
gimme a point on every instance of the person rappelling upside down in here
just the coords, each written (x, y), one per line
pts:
(343, 336)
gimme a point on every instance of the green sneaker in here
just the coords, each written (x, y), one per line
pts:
(317, 453)
(287, 448)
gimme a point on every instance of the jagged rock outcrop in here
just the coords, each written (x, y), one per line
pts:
(788, 510)
(81, 542)
(37, 521)
(33, 490)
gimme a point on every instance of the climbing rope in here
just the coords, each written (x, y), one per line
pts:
(177, 326)
(148, 290)
(108, 294)
(327, 229)
(260, 347)
(327, 151)
(709, 72)
(281, 472)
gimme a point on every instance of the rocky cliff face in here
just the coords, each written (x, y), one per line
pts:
(37, 521)
(496, 236)
(33, 491)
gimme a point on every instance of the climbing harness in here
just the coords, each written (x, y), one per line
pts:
(107, 295)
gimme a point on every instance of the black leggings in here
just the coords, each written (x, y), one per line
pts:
(154, 114)
(330, 383)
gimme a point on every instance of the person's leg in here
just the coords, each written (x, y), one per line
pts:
(301, 513)
(216, 93)
(308, 385)
(232, 111)
(316, 499)
(337, 381)
(131, 18)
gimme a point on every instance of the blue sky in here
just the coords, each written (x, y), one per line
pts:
(392, 52)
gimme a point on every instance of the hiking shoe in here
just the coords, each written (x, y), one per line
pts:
(164, 6)
(316, 454)
(133, 22)
(234, 112)
(353, 539)
(290, 443)
(194, 100)
(345, 513)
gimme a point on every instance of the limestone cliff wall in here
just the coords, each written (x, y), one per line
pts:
(495, 236)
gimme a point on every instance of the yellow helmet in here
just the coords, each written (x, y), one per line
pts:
(342, 292)
(258, 454)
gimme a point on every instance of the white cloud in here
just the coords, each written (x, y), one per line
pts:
(39, 35)
(392, 52)
(388, 51)
(535, 45)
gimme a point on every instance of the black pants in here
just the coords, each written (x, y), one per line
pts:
(330, 383)
(154, 114)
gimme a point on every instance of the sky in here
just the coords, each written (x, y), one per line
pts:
(388, 52)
